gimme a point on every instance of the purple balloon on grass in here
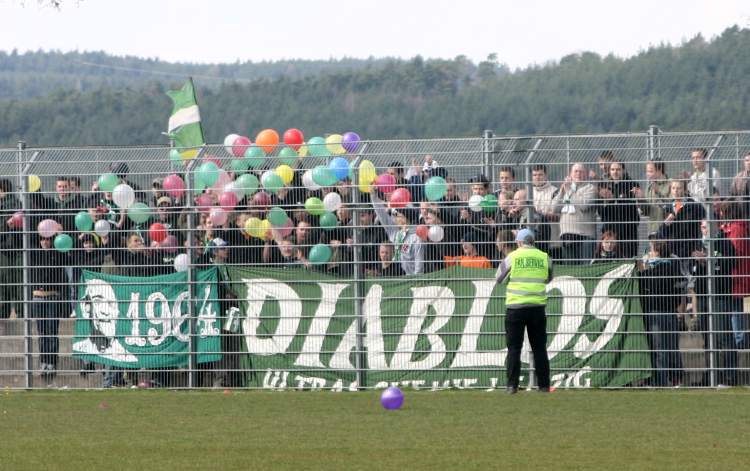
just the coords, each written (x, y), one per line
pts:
(350, 141)
(392, 398)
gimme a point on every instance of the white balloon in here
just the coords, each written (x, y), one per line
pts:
(436, 233)
(332, 201)
(102, 228)
(234, 189)
(228, 141)
(475, 203)
(181, 262)
(123, 195)
(308, 181)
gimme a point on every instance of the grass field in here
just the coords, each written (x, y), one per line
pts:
(462, 430)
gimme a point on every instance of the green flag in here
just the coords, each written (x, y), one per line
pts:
(185, 123)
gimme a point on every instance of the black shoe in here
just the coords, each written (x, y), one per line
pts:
(511, 390)
(543, 390)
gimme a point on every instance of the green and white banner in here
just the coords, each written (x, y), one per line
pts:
(443, 330)
(142, 322)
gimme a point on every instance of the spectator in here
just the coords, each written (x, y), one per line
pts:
(738, 231)
(741, 184)
(11, 257)
(470, 257)
(281, 253)
(656, 195)
(507, 179)
(371, 235)
(575, 204)
(608, 248)
(698, 186)
(63, 204)
(386, 266)
(505, 243)
(135, 259)
(618, 208)
(604, 161)
(396, 170)
(243, 249)
(548, 237)
(681, 227)
(435, 253)
(408, 248)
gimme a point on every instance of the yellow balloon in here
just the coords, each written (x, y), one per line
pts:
(265, 228)
(303, 151)
(189, 154)
(254, 227)
(286, 173)
(333, 143)
(34, 183)
(367, 175)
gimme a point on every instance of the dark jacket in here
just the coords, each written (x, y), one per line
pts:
(661, 286)
(47, 270)
(684, 233)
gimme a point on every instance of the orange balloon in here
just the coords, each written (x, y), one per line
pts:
(267, 140)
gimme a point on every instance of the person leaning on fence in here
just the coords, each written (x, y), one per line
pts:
(682, 224)
(11, 274)
(607, 249)
(575, 202)
(618, 209)
(528, 270)
(656, 196)
(408, 247)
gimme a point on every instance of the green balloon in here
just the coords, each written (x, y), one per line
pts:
(255, 156)
(277, 216)
(108, 182)
(317, 147)
(319, 254)
(63, 242)
(248, 183)
(328, 221)
(175, 157)
(272, 182)
(83, 221)
(314, 206)
(139, 213)
(435, 188)
(324, 176)
(239, 165)
(489, 203)
(198, 184)
(288, 156)
(207, 173)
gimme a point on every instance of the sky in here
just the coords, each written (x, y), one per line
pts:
(522, 33)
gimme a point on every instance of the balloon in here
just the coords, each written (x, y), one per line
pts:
(340, 168)
(108, 182)
(314, 206)
(174, 185)
(63, 242)
(35, 183)
(319, 254)
(332, 201)
(229, 141)
(204, 202)
(288, 156)
(271, 181)
(294, 138)
(207, 173)
(317, 147)
(285, 229)
(228, 200)
(423, 232)
(254, 227)
(367, 175)
(169, 244)
(102, 228)
(265, 228)
(489, 203)
(83, 221)
(17, 219)
(181, 262)
(392, 398)
(218, 216)
(328, 221)
(400, 198)
(254, 156)
(323, 176)
(211, 158)
(232, 187)
(240, 165)
(436, 233)
(123, 195)
(307, 180)
(277, 216)
(286, 173)
(157, 232)
(267, 140)
(475, 203)
(435, 188)
(303, 151)
(248, 183)
(333, 144)
(385, 183)
(48, 227)
(175, 157)
(262, 198)
(221, 181)
(240, 145)
(350, 141)
(139, 213)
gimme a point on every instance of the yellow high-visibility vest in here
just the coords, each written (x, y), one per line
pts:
(527, 279)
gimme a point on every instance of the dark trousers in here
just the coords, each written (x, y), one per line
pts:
(532, 319)
(47, 313)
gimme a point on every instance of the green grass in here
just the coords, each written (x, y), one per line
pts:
(208, 430)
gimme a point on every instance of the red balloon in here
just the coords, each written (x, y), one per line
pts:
(157, 232)
(228, 200)
(174, 185)
(240, 145)
(262, 198)
(422, 231)
(385, 183)
(294, 138)
(204, 202)
(400, 198)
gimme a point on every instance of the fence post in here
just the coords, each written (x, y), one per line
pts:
(23, 187)
(359, 358)
(653, 130)
(487, 149)
(710, 263)
(192, 360)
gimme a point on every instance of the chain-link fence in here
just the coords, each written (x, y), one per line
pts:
(136, 267)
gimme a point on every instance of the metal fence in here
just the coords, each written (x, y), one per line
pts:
(246, 282)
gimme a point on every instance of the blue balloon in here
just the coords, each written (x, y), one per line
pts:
(340, 167)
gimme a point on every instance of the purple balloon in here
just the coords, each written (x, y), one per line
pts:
(350, 141)
(392, 398)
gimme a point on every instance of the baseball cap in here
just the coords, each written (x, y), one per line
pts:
(164, 200)
(216, 243)
(525, 235)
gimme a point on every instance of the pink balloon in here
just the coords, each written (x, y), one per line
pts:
(204, 202)
(222, 181)
(240, 145)
(218, 216)
(174, 185)
(169, 244)
(17, 219)
(400, 198)
(48, 227)
(286, 229)
(385, 183)
(262, 198)
(228, 200)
